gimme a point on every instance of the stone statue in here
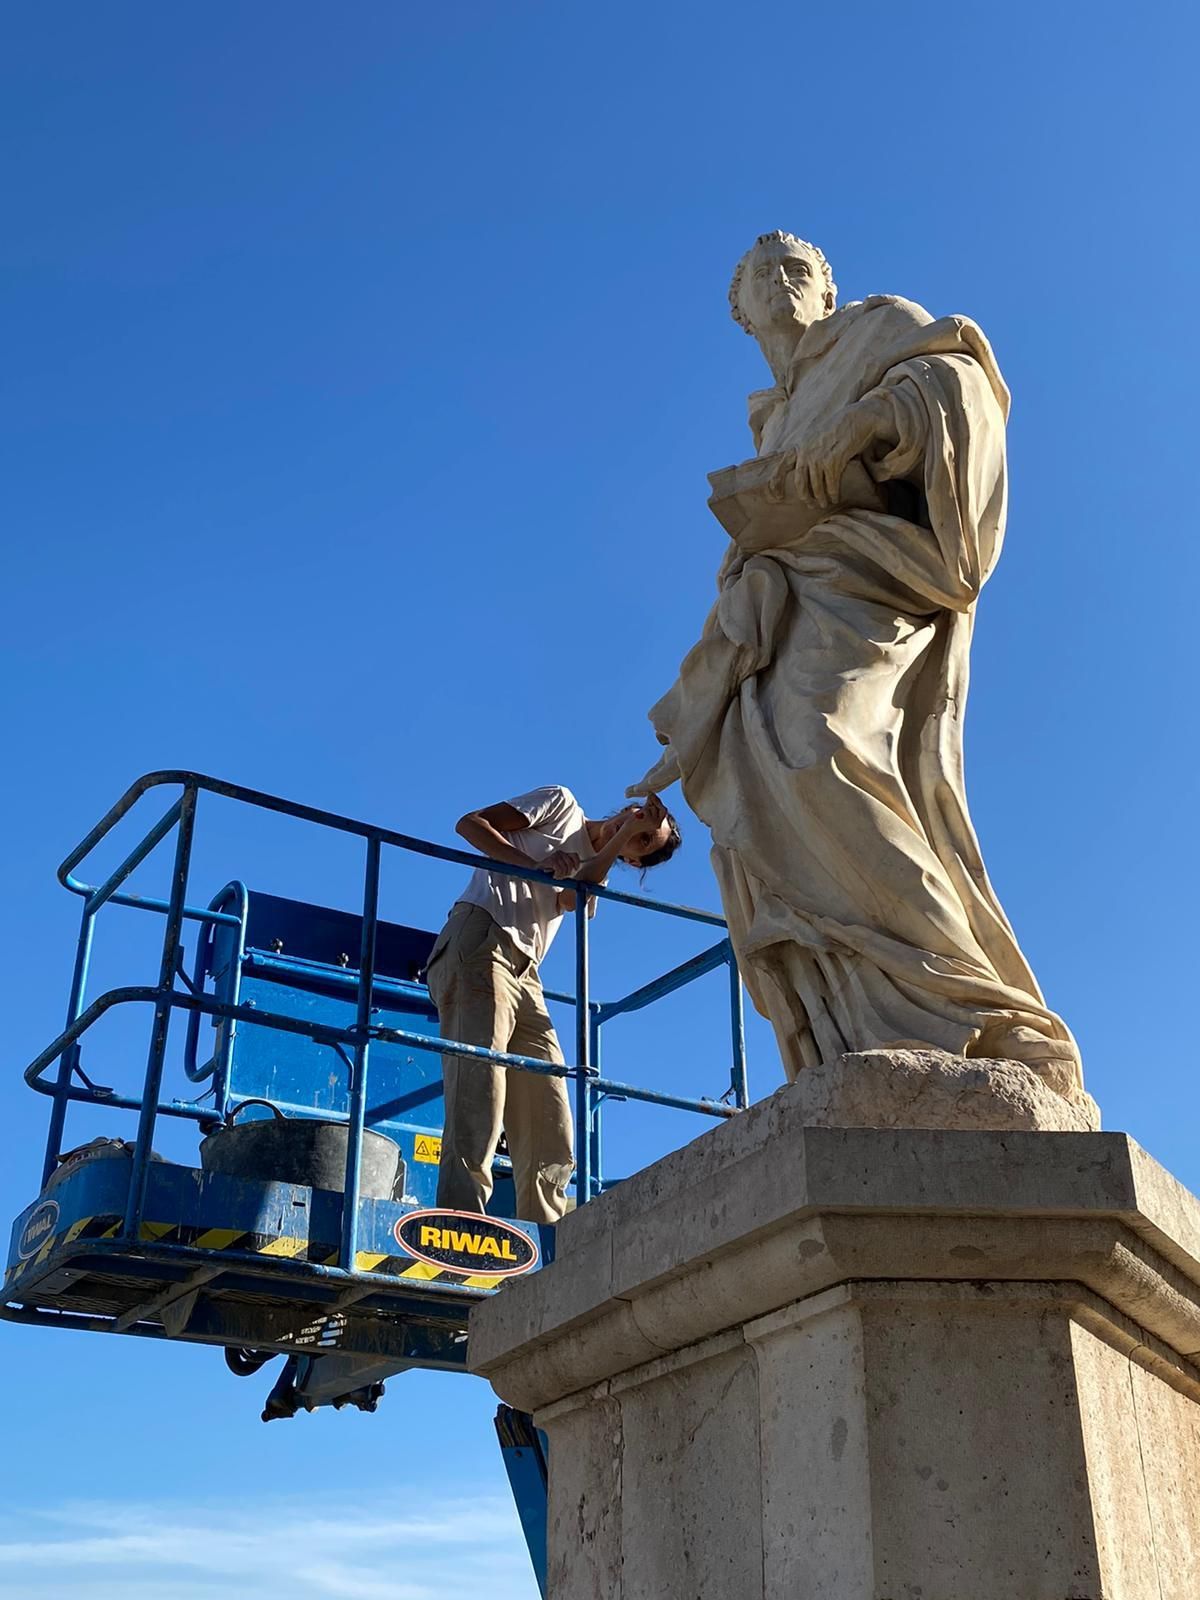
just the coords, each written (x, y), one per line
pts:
(817, 725)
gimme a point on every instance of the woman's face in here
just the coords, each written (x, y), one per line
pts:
(654, 832)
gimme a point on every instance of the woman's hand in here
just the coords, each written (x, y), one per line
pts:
(652, 811)
(560, 864)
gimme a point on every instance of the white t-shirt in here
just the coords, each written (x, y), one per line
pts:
(528, 912)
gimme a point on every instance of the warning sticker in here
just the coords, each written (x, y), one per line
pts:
(428, 1148)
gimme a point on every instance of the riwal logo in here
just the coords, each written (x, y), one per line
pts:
(38, 1229)
(466, 1243)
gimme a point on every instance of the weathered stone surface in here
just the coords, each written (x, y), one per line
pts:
(817, 724)
(931, 1089)
(865, 1364)
(584, 1532)
(945, 1389)
(699, 1533)
(764, 1209)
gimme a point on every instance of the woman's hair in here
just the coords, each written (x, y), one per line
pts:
(665, 850)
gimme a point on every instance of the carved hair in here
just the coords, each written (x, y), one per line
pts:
(735, 288)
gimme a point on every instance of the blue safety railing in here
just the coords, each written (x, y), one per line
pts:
(590, 1088)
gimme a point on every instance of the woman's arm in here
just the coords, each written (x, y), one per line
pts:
(485, 831)
(638, 818)
(596, 868)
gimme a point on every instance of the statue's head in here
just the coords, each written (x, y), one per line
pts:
(783, 284)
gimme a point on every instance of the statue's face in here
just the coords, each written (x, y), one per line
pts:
(783, 286)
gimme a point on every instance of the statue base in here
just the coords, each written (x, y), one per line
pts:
(865, 1364)
(926, 1088)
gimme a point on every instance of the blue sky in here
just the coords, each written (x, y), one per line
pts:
(363, 366)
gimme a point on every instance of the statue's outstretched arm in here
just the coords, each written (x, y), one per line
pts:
(661, 776)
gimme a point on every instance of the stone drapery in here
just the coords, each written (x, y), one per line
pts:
(817, 725)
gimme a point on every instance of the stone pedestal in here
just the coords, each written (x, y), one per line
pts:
(797, 1363)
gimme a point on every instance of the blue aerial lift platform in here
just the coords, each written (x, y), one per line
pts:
(308, 1227)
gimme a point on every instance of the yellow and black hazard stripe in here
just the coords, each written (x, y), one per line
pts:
(288, 1247)
(279, 1246)
(84, 1228)
(297, 1247)
(416, 1272)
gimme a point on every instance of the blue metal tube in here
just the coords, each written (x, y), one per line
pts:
(685, 913)
(737, 1026)
(365, 830)
(626, 1091)
(70, 1056)
(121, 1102)
(597, 1109)
(677, 978)
(190, 913)
(238, 892)
(358, 1087)
(135, 857)
(563, 998)
(583, 1052)
(473, 1052)
(108, 821)
(162, 1017)
(217, 1067)
(191, 1043)
(321, 1032)
(334, 977)
(145, 993)
(588, 1013)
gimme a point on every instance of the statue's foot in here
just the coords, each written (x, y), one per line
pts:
(1056, 1061)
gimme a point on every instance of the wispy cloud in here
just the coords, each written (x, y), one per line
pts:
(279, 1550)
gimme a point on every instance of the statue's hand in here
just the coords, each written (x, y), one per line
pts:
(819, 467)
(782, 482)
(661, 776)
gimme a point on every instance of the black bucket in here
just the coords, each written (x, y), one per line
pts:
(304, 1151)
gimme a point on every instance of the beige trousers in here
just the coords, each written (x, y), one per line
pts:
(487, 992)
